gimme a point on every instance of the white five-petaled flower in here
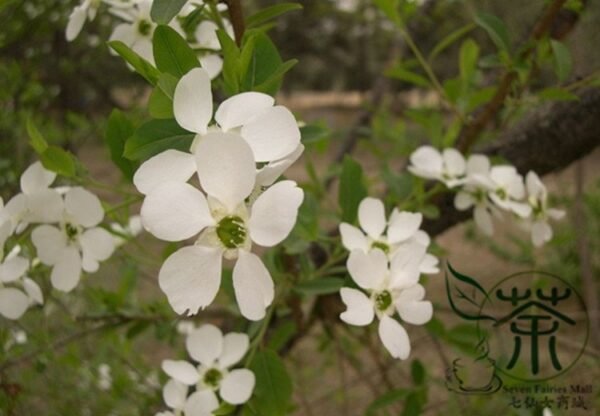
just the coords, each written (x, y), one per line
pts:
(225, 222)
(76, 242)
(17, 291)
(447, 167)
(506, 189)
(215, 355)
(537, 197)
(37, 203)
(378, 233)
(270, 130)
(390, 289)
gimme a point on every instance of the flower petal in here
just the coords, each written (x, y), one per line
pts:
(205, 344)
(97, 244)
(478, 164)
(13, 268)
(201, 403)
(175, 211)
(416, 313)
(212, 63)
(191, 277)
(241, 108)
(67, 270)
(235, 346)
(76, 21)
(353, 238)
(426, 162)
(170, 165)
(175, 394)
(273, 134)
(367, 269)
(36, 178)
(360, 310)
(454, 162)
(13, 303)
(237, 386)
(84, 207)
(226, 167)
(394, 337)
(33, 290)
(192, 101)
(371, 217)
(541, 233)
(182, 371)
(483, 219)
(403, 225)
(253, 285)
(463, 201)
(405, 265)
(49, 242)
(273, 170)
(429, 264)
(45, 205)
(274, 213)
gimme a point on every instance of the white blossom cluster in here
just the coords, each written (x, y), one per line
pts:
(67, 237)
(387, 258)
(492, 191)
(135, 28)
(194, 388)
(237, 160)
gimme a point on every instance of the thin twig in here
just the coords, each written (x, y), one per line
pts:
(236, 15)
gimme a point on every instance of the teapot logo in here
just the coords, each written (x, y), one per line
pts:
(521, 323)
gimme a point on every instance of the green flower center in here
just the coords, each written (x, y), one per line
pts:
(501, 193)
(212, 378)
(71, 231)
(383, 300)
(144, 27)
(381, 245)
(231, 232)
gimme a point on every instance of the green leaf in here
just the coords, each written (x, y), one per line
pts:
(413, 405)
(495, 28)
(391, 9)
(37, 141)
(224, 409)
(449, 40)
(273, 391)
(167, 83)
(118, 130)
(172, 53)
(231, 57)
(263, 69)
(417, 372)
(404, 74)
(313, 133)
(163, 11)
(352, 189)
(562, 59)
(469, 54)
(270, 13)
(139, 64)
(58, 160)
(156, 136)
(557, 94)
(323, 286)
(159, 105)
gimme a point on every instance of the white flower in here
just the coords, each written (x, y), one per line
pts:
(133, 228)
(447, 167)
(270, 130)
(402, 228)
(474, 194)
(104, 377)
(537, 197)
(547, 412)
(37, 203)
(215, 355)
(506, 189)
(76, 243)
(205, 37)
(87, 9)
(224, 224)
(17, 291)
(389, 289)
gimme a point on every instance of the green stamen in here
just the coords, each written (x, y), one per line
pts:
(231, 232)
(213, 378)
(381, 245)
(383, 300)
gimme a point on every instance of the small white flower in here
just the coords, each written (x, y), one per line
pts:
(389, 290)
(224, 223)
(270, 130)
(87, 9)
(76, 243)
(447, 167)
(377, 233)
(506, 189)
(205, 37)
(133, 228)
(537, 197)
(215, 355)
(17, 291)
(37, 203)
(186, 327)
